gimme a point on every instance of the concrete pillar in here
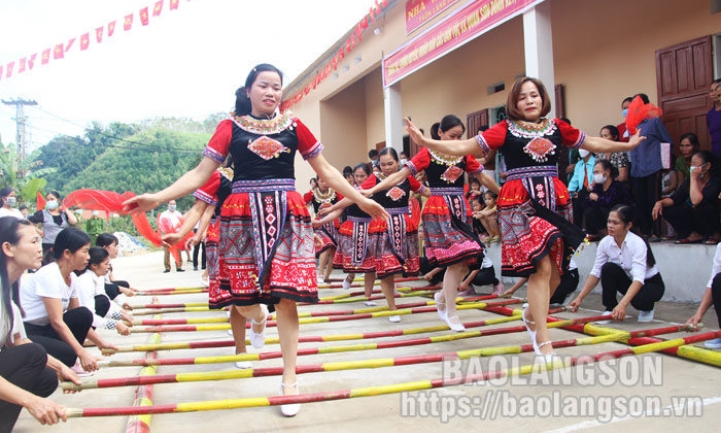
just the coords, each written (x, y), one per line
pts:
(393, 116)
(538, 47)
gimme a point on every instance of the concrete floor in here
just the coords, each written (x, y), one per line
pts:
(587, 399)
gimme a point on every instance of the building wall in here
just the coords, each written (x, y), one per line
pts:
(604, 50)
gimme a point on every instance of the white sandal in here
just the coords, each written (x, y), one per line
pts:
(289, 409)
(257, 339)
(532, 334)
(440, 306)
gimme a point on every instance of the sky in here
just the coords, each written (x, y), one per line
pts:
(185, 63)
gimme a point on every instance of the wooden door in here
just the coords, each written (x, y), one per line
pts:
(474, 121)
(684, 73)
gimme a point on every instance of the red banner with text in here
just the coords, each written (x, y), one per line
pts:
(463, 25)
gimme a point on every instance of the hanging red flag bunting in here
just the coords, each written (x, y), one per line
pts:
(332, 64)
(128, 23)
(84, 41)
(70, 43)
(144, 16)
(158, 8)
(58, 50)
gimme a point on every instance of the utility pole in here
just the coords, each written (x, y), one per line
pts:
(21, 137)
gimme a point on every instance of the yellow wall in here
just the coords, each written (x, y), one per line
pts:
(604, 50)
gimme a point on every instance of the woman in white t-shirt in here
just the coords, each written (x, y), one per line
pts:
(91, 294)
(53, 315)
(27, 373)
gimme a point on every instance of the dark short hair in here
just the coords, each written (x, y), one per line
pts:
(71, 239)
(105, 239)
(512, 111)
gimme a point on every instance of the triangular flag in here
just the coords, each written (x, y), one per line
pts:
(1, 72)
(128, 24)
(21, 65)
(46, 57)
(70, 44)
(111, 28)
(144, 16)
(31, 61)
(99, 34)
(9, 69)
(84, 41)
(58, 52)
(158, 8)
(174, 4)
(40, 200)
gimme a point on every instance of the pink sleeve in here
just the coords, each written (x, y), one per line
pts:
(308, 146)
(472, 165)
(494, 137)
(219, 144)
(415, 185)
(571, 137)
(209, 192)
(419, 162)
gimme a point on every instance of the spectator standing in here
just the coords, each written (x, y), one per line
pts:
(169, 222)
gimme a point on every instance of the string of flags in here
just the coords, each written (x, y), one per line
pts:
(375, 11)
(58, 51)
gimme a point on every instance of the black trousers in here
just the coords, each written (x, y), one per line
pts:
(113, 289)
(646, 192)
(702, 219)
(614, 280)
(578, 207)
(596, 218)
(485, 277)
(25, 367)
(196, 250)
(79, 320)
(716, 296)
(568, 285)
(102, 305)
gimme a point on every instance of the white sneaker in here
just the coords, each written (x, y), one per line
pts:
(230, 332)
(370, 303)
(605, 322)
(645, 316)
(244, 365)
(713, 344)
(394, 319)
(346, 283)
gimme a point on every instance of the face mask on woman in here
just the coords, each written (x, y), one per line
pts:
(10, 201)
(51, 204)
(599, 178)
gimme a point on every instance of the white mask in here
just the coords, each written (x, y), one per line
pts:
(10, 201)
(599, 178)
(51, 204)
(583, 153)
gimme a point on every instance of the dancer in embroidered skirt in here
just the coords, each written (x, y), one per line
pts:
(534, 207)
(353, 215)
(448, 236)
(326, 236)
(266, 252)
(388, 247)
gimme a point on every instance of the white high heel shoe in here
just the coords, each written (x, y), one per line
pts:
(289, 409)
(257, 339)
